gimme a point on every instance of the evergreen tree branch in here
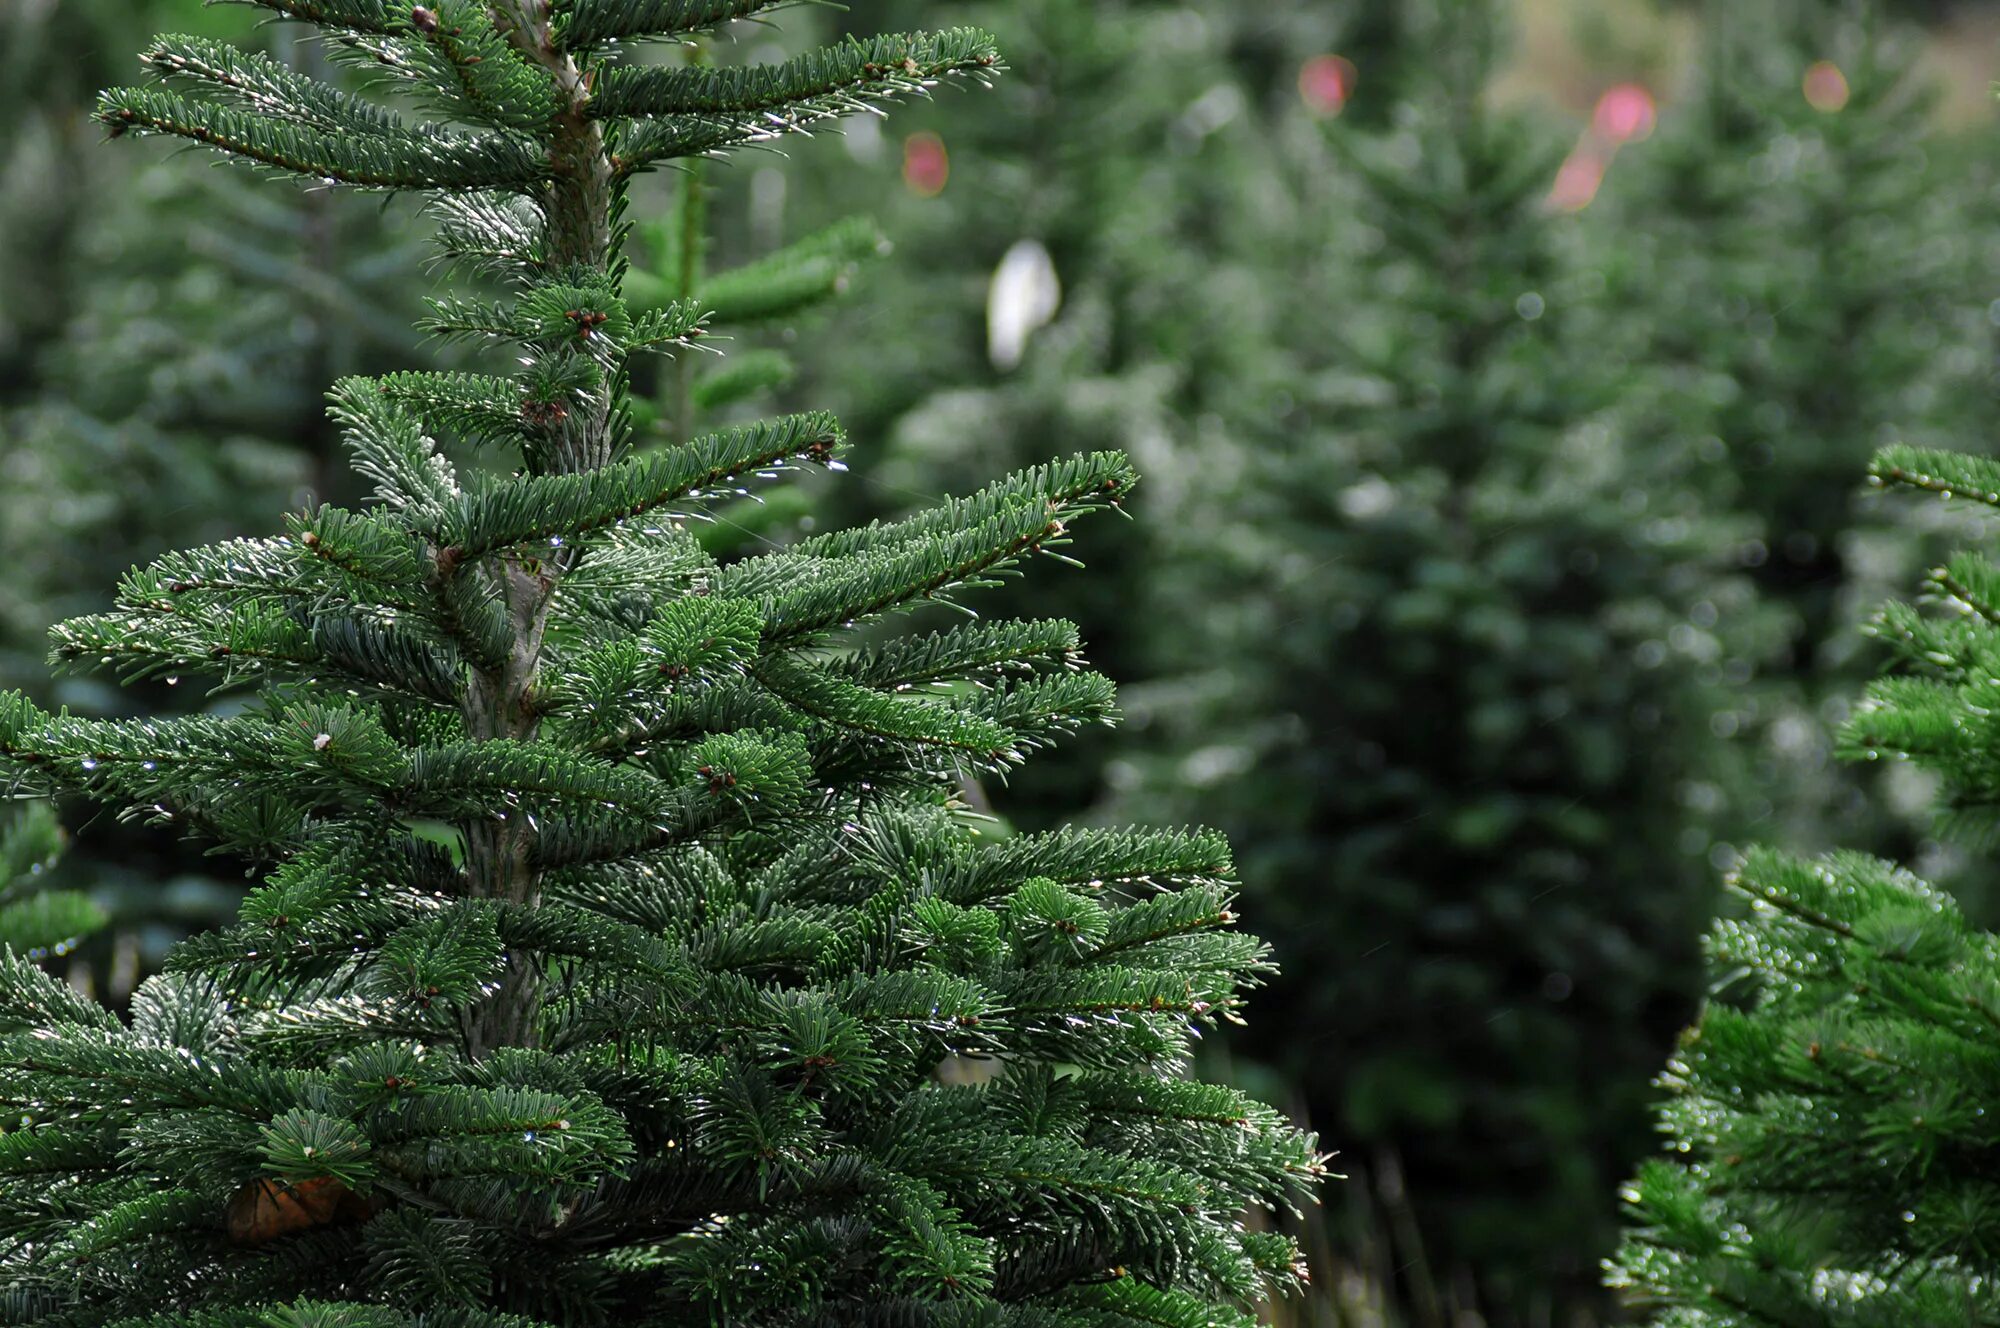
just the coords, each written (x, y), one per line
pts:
(583, 24)
(380, 17)
(886, 566)
(546, 507)
(379, 160)
(969, 651)
(476, 407)
(847, 705)
(263, 86)
(820, 82)
(826, 83)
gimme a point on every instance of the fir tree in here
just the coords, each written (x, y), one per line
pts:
(1485, 621)
(1800, 235)
(619, 928)
(1830, 1119)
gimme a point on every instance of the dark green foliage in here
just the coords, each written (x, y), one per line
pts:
(1483, 627)
(1855, 1045)
(37, 921)
(1813, 280)
(166, 337)
(623, 950)
(1834, 1146)
(1132, 149)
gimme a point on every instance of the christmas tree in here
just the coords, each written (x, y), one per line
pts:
(1800, 231)
(623, 951)
(1832, 1141)
(1486, 623)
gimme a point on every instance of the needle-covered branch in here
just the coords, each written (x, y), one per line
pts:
(693, 116)
(553, 507)
(372, 16)
(1826, 1113)
(380, 159)
(818, 83)
(582, 24)
(260, 84)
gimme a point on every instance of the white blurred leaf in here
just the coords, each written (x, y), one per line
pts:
(1024, 295)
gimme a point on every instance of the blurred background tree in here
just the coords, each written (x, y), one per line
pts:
(145, 401)
(1815, 265)
(1489, 617)
(1502, 387)
(1528, 482)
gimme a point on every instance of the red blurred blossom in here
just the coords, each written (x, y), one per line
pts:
(926, 164)
(1325, 83)
(1579, 176)
(1825, 86)
(1624, 114)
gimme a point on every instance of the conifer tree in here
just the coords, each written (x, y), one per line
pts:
(618, 923)
(1832, 1133)
(1801, 231)
(1469, 757)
